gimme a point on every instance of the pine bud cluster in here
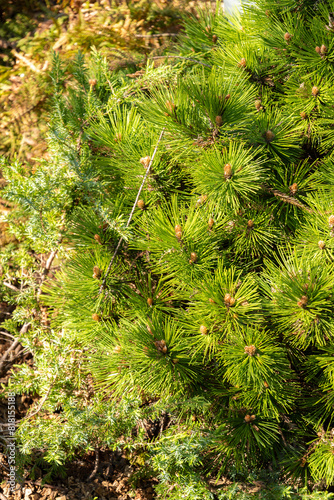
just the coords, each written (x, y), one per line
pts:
(97, 272)
(249, 418)
(161, 346)
(250, 350)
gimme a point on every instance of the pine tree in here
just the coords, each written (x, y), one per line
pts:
(221, 289)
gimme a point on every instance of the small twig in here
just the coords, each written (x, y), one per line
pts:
(156, 36)
(96, 465)
(20, 115)
(9, 285)
(7, 335)
(18, 355)
(16, 342)
(45, 397)
(285, 197)
(26, 61)
(38, 483)
(47, 268)
(41, 219)
(132, 211)
(9, 350)
(181, 57)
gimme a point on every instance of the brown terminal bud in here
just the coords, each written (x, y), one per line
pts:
(321, 244)
(227, 97)
(150, 301)
(269, 136)
(117, 349)
(92, 82)
(214, 38)
(141, 204)
(250, 350)
(258, 104)
(250, 223)
(96, 272)
(219, 121)
(97, 238)
(293, 188)
(331, 221)
(227, 171)
(248, 418)
(193, 256)
(178, 234)
(203, 329)
(303, 115)
(266, 385)
(227, 298)
(242, 63)
(145, 161)
(95, 317)
(211, 301)
(232, 301)
(193, 418)
(317, 49)
(302, 302)
(164, 349)
(178, 228)
(287, 37)
(211, 222)
(149, 329)
(315, 91)
(323, 49)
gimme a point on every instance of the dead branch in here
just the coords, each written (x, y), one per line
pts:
(45, 397)
(9, 285)
(287, 198)
(16, 342)
(47, 268)
(182, 57)
(96, 465)
(7, 335)
(132, 211)
(26, 61)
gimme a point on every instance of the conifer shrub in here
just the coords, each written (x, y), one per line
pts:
(193, 211)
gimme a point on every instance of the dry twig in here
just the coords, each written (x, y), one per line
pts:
(9, 285)
(132, 211)
(287, 198)
(16, 342)
(96, 465)
(26, 61)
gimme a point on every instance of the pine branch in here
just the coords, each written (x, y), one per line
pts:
(132, 211)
